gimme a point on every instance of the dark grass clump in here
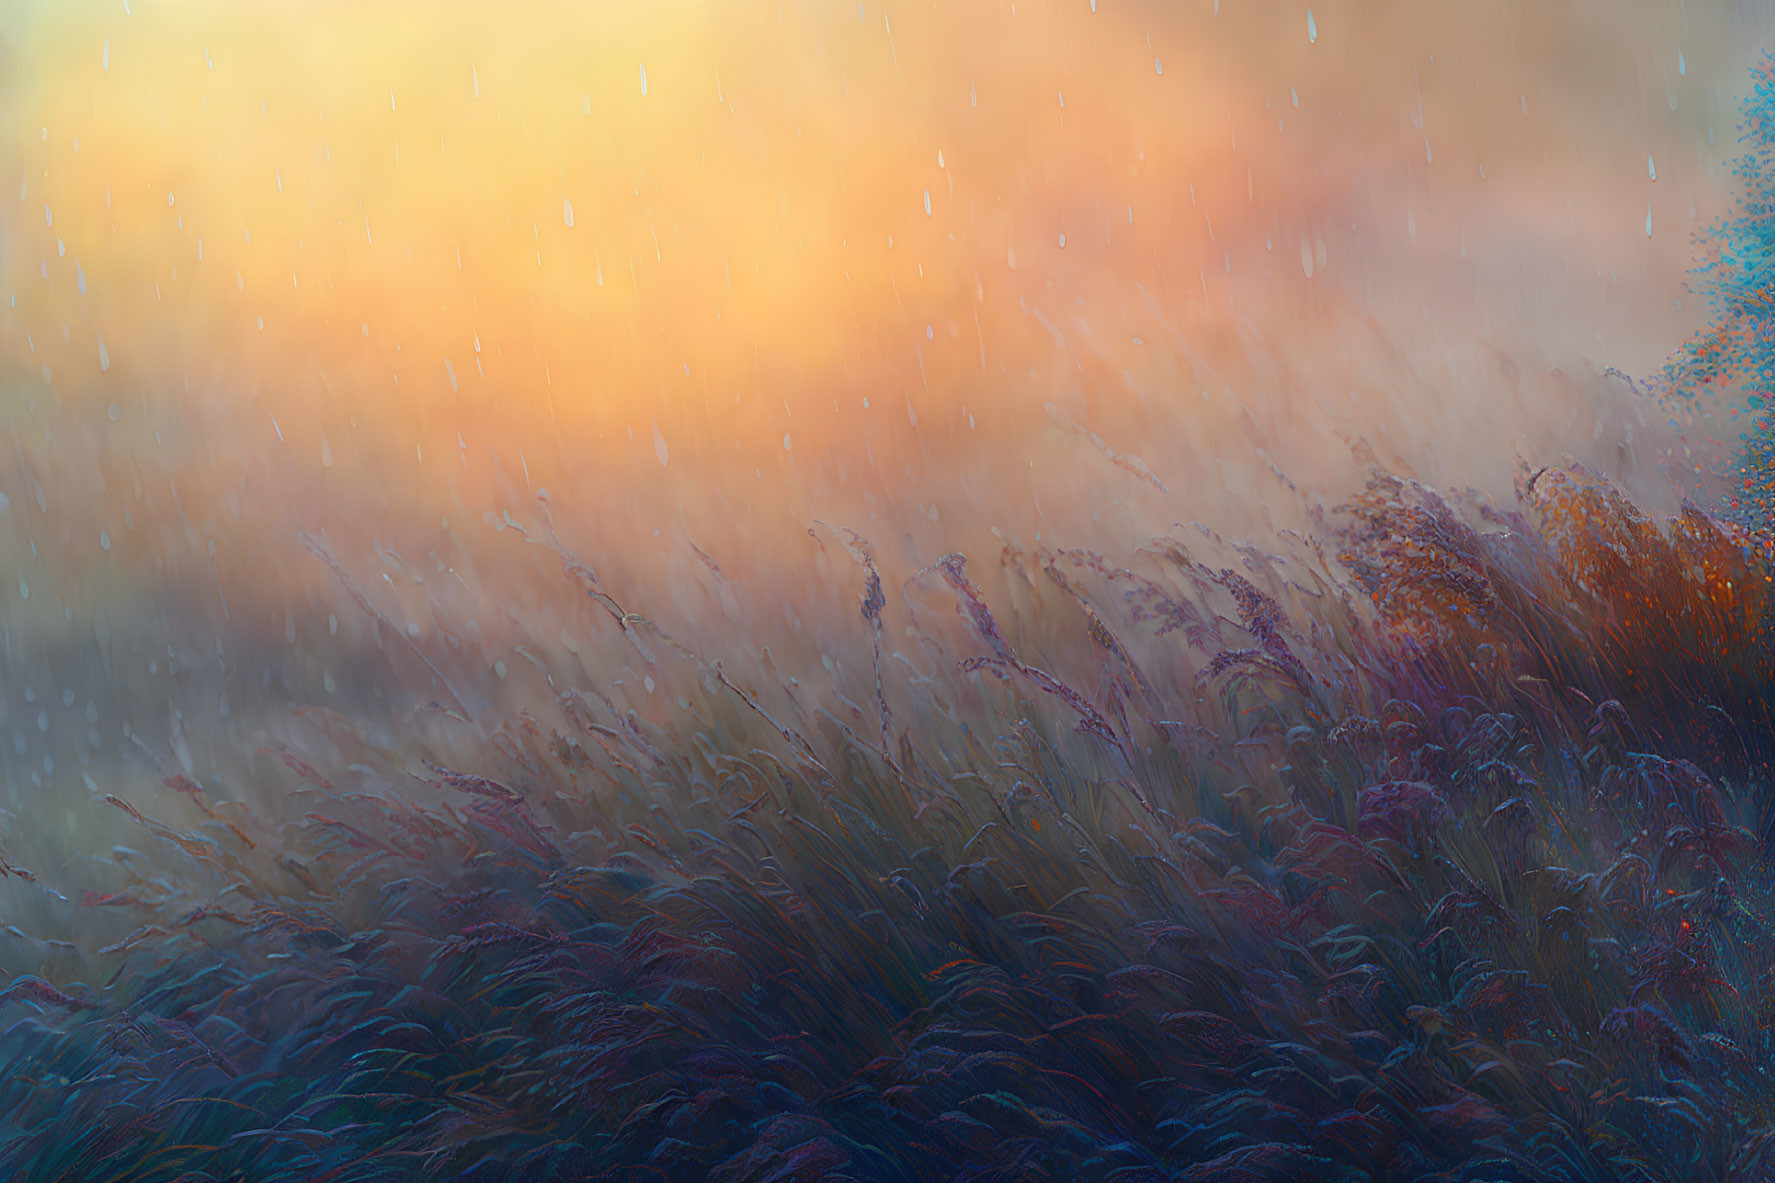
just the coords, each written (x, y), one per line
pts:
(1431, 849)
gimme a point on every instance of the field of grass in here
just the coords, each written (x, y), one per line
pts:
(1429, 847)
(775, 598)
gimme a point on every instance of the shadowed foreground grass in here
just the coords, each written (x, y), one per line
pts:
(1429, 849)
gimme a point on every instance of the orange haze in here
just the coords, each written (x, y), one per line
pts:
(711, 272)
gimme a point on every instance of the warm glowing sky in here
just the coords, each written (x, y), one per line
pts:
(675, 259)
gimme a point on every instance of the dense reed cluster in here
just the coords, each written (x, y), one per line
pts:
(1429, 849)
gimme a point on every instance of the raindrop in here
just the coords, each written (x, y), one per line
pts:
(1158, 66)
(927, 203)
(567, 211)
(79, 278)
(785, 441)
(1648, 221)
(104, 540)
(1063, 242)
(105, 55)
(1682, 67)
(659, 444)
(1312, 28)
(643, 79)
(1651, 168)
(326, 452)
(476, 76)
(451, 370)
(104, 356)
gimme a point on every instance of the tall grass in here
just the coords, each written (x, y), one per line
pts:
(1427, 841)
(1430, 847)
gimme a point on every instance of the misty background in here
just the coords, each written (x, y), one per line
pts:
(285, 285)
